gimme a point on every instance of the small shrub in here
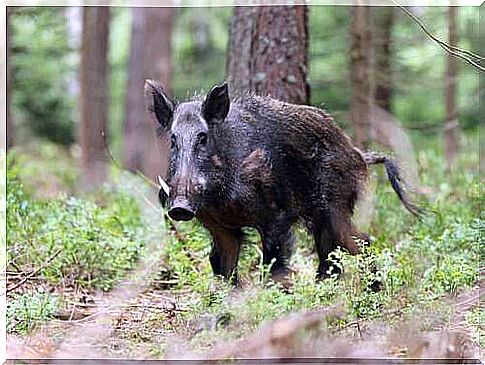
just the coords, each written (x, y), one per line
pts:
(97, 244)
(25, 311)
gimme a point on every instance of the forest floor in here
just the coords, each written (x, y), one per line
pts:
(162, 301)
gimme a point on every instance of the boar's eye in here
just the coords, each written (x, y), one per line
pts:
(173, 141)
(202, 137)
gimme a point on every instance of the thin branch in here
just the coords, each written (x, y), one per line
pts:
(139, 173)
(118, 166)
(179, 236)
(146, 200)
(33, 273)
(174, 229)
(436, 39)
(14, 265)
(453, 50)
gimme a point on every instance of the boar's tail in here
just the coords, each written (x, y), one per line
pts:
(394, 176)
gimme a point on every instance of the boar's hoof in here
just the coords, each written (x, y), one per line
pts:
(323, 274)
(283, 277)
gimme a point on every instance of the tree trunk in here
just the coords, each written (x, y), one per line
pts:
(451, 133)
(481, 83)
(149, 58)
(360, 74)
(268, 52)
(10, 132)
(382, 39)
(93, 95)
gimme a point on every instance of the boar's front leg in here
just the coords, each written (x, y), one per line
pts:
(224, 254)
(278, 242)
(324, 243)
(330, 231)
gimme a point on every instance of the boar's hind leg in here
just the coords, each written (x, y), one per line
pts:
(328, 234)
(225, 252)
(361, 236)
(278, 242)
(342, 229)
(324, 245)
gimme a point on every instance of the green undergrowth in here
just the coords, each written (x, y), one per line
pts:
(422, 264)
(95, 244)
(87, 242)
(25, 311)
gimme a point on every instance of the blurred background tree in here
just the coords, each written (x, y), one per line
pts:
(93, 76)
(451, 127)
(361, 76)
(383, 18)
(407, 69)
(10, 137)
(41, 72)
(150, 58)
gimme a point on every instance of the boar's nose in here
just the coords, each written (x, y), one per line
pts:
(181, 210)
(180, 214)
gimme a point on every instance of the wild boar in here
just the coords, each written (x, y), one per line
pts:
(267, 164)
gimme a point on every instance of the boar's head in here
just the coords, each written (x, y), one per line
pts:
(189, 126)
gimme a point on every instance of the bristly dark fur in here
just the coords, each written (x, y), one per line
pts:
(267, 164)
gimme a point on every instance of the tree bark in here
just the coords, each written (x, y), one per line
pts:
(93, 95)
(150, 58)
(451, 129)
(382, 39)
(10, 132)
(481, 82)
(268, 52)
(360, 74)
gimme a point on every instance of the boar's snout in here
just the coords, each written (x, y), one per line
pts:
(181, 210)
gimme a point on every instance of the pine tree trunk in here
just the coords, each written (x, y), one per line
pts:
(268, 52)
(93, 96)
(481, 83)
(382, 39)
(451, 133)
(150, 58)
(360, 74)
(10, 137)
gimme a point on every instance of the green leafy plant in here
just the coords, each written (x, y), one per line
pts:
(97, 244)
(24, 311)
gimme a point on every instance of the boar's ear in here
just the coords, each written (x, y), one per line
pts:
(216, 104)
(158, 104)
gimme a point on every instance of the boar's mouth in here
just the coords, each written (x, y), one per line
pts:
(181, 210)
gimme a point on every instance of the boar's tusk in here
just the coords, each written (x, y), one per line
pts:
(163, 185)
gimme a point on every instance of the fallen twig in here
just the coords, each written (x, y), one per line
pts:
(116, 308)
(91, 316)
(133, 305)
(15, 266)
(15, 273)
(33, 273)
(12, 263)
